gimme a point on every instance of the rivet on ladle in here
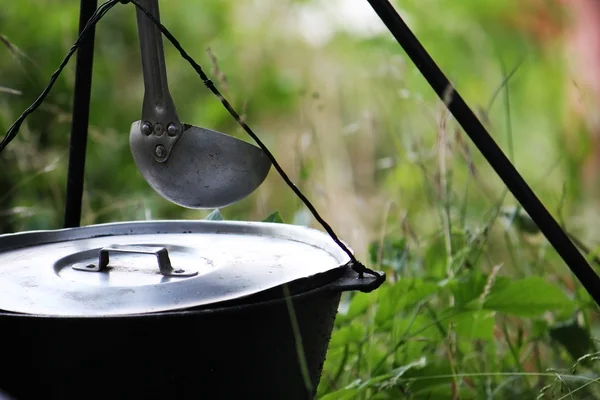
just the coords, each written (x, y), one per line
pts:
(160, 151)
(147, 128)
(172, 129)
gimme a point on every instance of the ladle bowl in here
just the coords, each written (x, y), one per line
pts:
(206, 168)
(187, 165)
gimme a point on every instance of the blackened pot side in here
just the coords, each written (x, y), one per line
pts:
(238, 352)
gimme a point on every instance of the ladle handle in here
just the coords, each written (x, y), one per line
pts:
(158, 106)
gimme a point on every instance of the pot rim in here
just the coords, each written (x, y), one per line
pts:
(347, 281)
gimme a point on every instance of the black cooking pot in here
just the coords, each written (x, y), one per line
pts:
(260, 345)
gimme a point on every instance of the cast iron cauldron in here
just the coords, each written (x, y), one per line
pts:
(126, 331)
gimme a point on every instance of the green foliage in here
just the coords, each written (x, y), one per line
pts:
(402, 295)
(574, 338)
(422, 338)
(274, 217)
(529, 297)
(215, 215)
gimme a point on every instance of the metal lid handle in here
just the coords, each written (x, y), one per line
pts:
(161, 253)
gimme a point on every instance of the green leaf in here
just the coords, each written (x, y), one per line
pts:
(393, 253)
(474, 325)
(305, 169)
(359, 304)
(274, 217)
(529, 297)
(350, 334)
(343, 394)
(584, 297)
(403, 294)
(429, 378)
(421, 325)
(380, 383)
(392, 378)
(215, 215)
(470, 287)
(436, 258)
(390, 394)
(539, 328)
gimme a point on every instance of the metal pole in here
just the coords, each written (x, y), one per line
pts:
(80, 118)
(490, 150)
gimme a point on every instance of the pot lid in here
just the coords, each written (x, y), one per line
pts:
(151, 266)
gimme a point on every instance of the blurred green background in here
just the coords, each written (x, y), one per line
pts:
(358, 129)
(322, 83)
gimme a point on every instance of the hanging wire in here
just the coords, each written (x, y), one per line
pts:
(354, 263)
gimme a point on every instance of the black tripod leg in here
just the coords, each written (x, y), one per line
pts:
(80, 119)
(490, 150)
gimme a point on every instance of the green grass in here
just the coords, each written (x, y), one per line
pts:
(477, 305)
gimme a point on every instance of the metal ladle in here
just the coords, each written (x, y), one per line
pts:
(187, 165)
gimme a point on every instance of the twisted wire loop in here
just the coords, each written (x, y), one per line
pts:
(354, 263)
